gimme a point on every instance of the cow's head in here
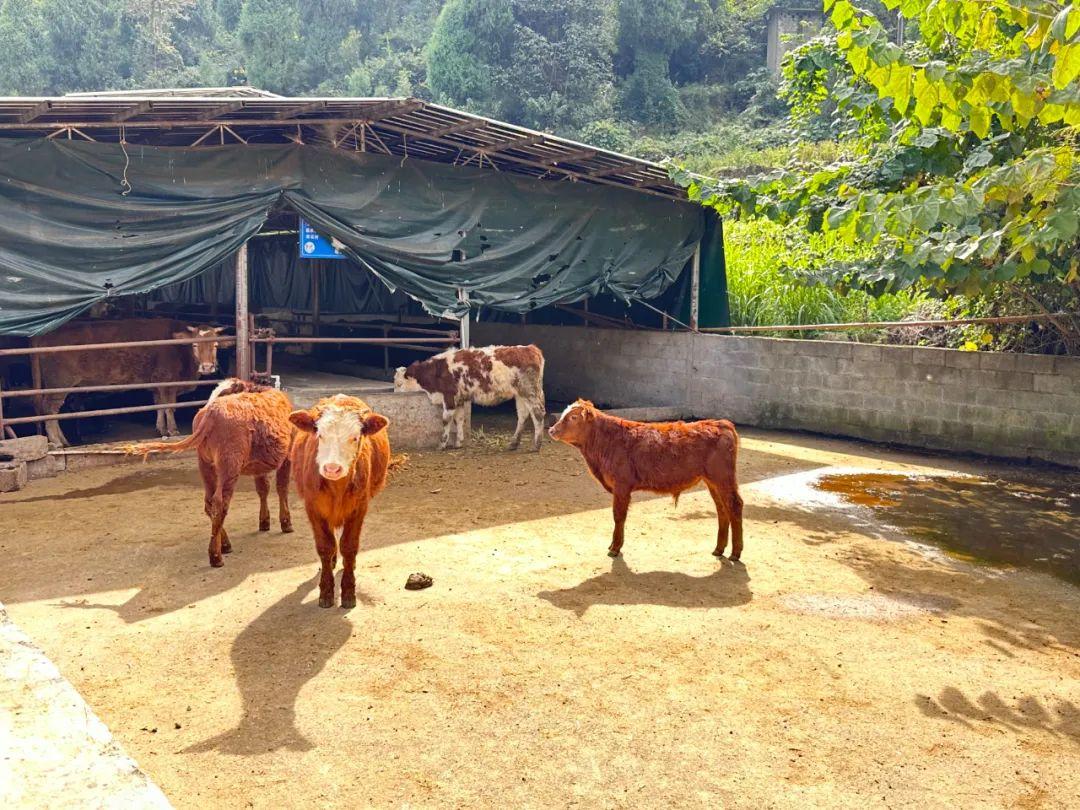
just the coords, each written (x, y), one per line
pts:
(403, 381)
(575, 423)
(205, 353)
(341, 425)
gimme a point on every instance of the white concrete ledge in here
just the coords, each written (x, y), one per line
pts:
(54, 751)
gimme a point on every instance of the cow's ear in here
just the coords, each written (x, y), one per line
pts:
(181, 335)
(303, 420)
(219, 329)
(193, 329)
(374, 422)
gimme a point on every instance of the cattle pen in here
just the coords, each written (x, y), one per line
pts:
(905, 608)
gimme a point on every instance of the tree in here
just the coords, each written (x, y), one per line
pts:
(967, 172)
(649, 33)
(269, 34)
(22, 63)
(542, 63)
(85, 44)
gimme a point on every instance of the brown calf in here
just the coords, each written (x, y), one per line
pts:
(663, 457)
(243, 430)
(341, 457)
(150, 364)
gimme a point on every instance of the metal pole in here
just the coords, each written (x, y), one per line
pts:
(35, 376)
(1, 411)
(464, 298)
(243, 336)
(695, 288)
(315, 308)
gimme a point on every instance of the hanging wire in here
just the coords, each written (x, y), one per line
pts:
(124, 184)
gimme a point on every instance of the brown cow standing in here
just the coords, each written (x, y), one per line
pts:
(243, 430)
(149, 364)
(340, 457)
(663, 457)
(487, 376)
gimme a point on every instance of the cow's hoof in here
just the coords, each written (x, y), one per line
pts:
(735, 557)
(264, 527)
(286, 528)
(718, 552)
(348, 602)
(613, 554)
(216, 562)
(226, 548)
(326, 601)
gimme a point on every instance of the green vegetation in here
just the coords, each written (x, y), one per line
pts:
(935, 177)
(964, 176)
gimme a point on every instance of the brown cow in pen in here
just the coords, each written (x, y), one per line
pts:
(340, 458)
(487, 376)
(243, 430)
(663, 457)
(150, 364)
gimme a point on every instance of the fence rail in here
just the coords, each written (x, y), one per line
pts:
(824, 327)
(420, 339)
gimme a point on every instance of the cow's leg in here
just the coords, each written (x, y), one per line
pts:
(51, 405)
(326, 546)
(219, 509)
(735, 506)
(209, 477)
(170, 414)
(620, 505)
(722, 518)
(522, 409)
(262, 486)
(350, 544)
(447, 423)
(460, 412)
(537, 413)
(284, 515)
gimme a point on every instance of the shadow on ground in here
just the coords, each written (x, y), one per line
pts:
(1027, 713)
(273, 658)
(728, 586)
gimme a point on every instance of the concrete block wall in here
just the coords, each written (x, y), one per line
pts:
(1008, 405)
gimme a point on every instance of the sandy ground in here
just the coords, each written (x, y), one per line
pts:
(832, 668)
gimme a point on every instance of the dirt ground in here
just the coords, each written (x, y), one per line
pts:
(834, 667)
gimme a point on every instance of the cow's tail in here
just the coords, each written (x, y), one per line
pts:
(190, 443)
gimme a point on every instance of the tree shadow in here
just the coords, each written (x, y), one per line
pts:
(1063, 719)
(274, 657)
(728, 586)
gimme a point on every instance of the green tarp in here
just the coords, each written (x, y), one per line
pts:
(82, 221)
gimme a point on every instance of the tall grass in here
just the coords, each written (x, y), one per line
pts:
(770, 283)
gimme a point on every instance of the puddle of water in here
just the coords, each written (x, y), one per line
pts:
(1032, 521)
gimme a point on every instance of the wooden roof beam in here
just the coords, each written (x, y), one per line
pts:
(391, 109)
(222, 109)
(133, 111)
(35, 111)
(453, 129)
(570, 157)
(300, 109)
(513, 143)
(608, 170)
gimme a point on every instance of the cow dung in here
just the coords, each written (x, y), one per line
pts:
(417, 582)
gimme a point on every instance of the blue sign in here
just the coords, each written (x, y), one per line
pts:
(313, 246)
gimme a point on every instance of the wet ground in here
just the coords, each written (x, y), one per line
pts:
(1025, 517)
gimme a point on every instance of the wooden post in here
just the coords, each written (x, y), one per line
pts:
(695, 288)
(243, 333)
(35, 376)
(1, 410)
(463, 340)
(316, 313)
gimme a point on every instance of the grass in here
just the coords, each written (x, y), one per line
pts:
(769, 283)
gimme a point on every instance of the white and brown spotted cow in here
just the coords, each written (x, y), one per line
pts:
(487, 376)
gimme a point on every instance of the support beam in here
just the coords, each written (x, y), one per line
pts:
(513, 143)
(35, 111)
(453, 129)
(222, 109)
(570, 157)
(300, 109)
(695, 288)
(243, 336)
(133, 111)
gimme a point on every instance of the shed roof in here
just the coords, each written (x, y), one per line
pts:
(393, 126)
